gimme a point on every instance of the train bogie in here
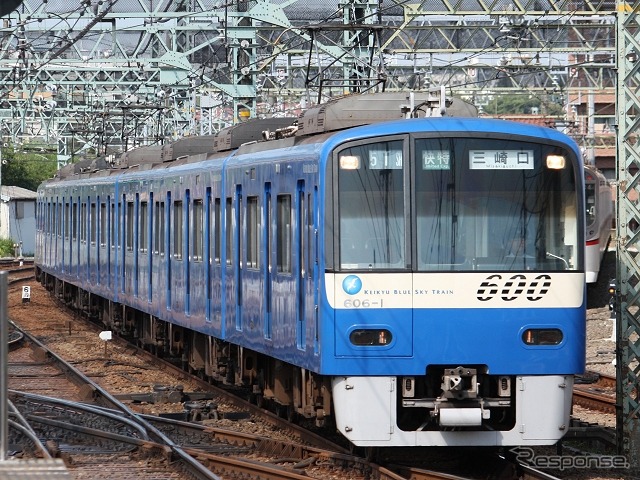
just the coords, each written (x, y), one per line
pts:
(422, 279)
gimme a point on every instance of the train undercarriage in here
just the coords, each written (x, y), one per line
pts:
(291, 391)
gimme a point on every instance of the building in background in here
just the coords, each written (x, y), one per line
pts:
(18, 217)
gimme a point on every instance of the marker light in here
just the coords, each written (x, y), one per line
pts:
(555, 162)
(370, 337)
(542, 336)
(349, 162)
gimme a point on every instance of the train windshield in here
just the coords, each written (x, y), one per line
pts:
(456, 204)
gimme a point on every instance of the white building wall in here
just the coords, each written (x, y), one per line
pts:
(23, 224)
(19, 229)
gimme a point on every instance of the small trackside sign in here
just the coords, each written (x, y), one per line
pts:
(26, 294)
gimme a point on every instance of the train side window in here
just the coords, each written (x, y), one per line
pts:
(67, 212)
(74, 221)
(103, 224)
(94, 224)
(130, 217)
(228, 225)
(158, 229)
(47, 222)
(217, 224)
(83, 222)
(143, 225)
(253, 233)
(59, 219)
(177, 229)
(283, 233)
(198, 229)
(112, 228)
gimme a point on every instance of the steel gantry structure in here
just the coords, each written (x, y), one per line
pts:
(628, 231)
(106, 75)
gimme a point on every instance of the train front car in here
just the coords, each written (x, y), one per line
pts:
(454, 282)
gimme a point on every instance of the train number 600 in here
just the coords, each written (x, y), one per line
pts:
(514, 287)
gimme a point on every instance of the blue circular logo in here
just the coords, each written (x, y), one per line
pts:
(352, 284)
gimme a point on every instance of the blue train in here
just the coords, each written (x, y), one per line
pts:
(420, 281)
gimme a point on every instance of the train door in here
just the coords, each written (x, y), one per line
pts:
(65, 234)
(94, 252)
(76, 238)
(85, 259)
(111, 244)
(166, 241)
(150, 248)
(237, 255)
(178, 269)
(312, 265)
(157, 269)
(136, 224)
(122, 205)
(58, 234)
(284, 296)
(47, 238)
(300, 253)
(206, 251)
(215, 286)
(102, 238)
(268, 278)
(185, 254)
(144, 260)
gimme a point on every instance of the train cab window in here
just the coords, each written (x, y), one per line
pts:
(371, 206)
(253, 233)
(198, 230)
(177, 229)
(143, 220)
(130, 218)
(483, 204)
(283, 233)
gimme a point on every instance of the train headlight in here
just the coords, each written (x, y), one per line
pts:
(542, 336)
(555, 162)
(349, 162)
(370, 337)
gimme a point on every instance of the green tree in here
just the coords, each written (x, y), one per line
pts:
(26, 169)
(523, 104)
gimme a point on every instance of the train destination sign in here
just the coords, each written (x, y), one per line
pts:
(501, 159)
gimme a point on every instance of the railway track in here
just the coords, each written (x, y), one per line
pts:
(84, 433)
(596, 392)
(160, 442)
